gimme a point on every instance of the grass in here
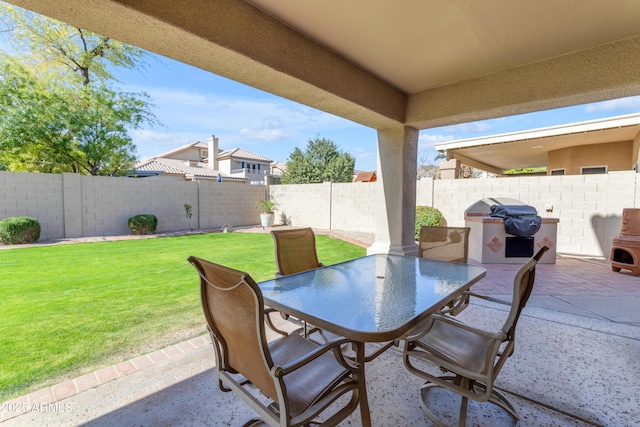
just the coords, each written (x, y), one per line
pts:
(70, 309)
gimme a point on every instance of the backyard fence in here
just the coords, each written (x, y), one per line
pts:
(69, 205)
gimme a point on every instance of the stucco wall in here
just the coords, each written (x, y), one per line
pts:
(36, 195)
(589, 206)
(304, 204)
(72, 205)
(69, 205)
(616, 156)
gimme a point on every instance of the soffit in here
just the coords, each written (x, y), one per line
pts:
(530, 149)
(416, 45)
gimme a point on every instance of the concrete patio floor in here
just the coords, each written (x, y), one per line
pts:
(577, 363)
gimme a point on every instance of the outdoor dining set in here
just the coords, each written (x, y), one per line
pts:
(340, 317)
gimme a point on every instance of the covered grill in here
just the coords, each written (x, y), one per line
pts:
(491, 243)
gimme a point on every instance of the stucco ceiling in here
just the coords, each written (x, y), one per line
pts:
(417, 45)
(381, 63)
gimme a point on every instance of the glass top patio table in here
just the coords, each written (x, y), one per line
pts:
(376, 298)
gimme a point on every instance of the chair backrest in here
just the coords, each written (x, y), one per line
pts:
(522, 287)
(444, 243)
(295, 250)
(234, 309)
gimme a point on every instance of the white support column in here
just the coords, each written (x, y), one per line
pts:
(397, 169)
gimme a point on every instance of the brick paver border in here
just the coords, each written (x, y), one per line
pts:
(56, 393)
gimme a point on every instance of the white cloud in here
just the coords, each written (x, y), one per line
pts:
(469, 127)
(430, 140)
(632, 103)
(263, 134)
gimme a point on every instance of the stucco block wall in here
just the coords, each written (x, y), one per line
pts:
(424, 192)
(354, 206)
(231, 204)
(109, 202)
(589, 206)
(35, 195)
(305, 204)
(73, 205)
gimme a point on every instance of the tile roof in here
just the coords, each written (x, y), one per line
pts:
(172, 152)
(159, 165)
(365, 177)
(243, 154)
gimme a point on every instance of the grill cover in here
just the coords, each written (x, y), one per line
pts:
(519, 220)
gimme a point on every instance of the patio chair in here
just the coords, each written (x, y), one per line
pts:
(300, 378)
(446, 244)
(474, 356)
(295, 250)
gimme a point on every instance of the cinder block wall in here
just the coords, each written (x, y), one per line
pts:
(109, 202)
(73, 205)
(69, 205)
(304, 204)
(589, 206)
(354, 206)
(233, 204)
(35, 195)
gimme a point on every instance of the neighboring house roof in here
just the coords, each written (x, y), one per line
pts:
(197, 167)
(278, 168)
(366, 177)
(169, 154)
(241, 153)
(160, 166)
(524, 149)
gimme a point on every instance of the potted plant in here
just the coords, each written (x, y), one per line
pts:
(266, 208)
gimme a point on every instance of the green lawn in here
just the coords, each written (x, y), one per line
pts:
(68, 309)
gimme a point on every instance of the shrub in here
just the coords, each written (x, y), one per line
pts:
(19, 229)
(143, 224)
(427, 216)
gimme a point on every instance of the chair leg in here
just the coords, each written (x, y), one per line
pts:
(254, 422)
(423, 404)
(500, 400)
(464, 401)
(496, 398)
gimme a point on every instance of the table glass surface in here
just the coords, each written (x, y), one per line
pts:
(372, 295)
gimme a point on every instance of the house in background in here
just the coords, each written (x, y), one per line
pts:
(365, 177)
(205, 161)
(590, 147)
(277, 170)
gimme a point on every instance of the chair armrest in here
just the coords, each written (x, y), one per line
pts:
(269, 322)
(498, 335)
(486, 298)
(457, 306)
(334, 345)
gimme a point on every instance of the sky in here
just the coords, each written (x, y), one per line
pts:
(192, 104)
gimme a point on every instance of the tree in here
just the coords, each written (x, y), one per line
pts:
(320, 162)
(57, 111)
(427, 169)
(53, 47)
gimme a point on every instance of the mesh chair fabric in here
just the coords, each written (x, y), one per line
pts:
(444, 243)
(295, 250)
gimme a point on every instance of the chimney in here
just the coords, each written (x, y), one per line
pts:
(213, 152)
